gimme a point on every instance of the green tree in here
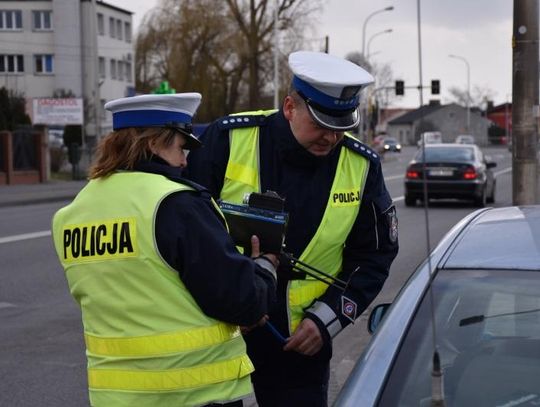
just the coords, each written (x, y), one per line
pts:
(12, 110)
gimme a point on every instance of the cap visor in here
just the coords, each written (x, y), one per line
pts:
(192, 142)
(339, 122)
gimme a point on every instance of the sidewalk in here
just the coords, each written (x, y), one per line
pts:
(50, 191)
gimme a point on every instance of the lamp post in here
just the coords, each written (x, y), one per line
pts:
(373, 37)
(389, 8)
(276, 55)
(468, 88)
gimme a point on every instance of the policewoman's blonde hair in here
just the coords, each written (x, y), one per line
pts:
(122, 149)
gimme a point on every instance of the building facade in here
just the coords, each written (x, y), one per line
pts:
(61, 48)
(449, 119)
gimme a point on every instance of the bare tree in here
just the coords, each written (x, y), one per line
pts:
(478, 98)
(221, 49)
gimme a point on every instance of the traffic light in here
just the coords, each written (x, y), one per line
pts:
(400, 88)
(435, 87)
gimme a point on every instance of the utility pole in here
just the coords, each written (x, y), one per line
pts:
(525, 103)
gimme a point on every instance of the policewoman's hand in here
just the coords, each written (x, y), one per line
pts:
(307, 339)
(247, 329)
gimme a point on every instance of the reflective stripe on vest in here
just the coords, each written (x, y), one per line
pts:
(147, 339)
(325, 250)
(242, 173)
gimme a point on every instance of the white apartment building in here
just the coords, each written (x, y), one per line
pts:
(59, 47)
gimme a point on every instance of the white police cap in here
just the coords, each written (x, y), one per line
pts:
(330, 87)
(173, 111)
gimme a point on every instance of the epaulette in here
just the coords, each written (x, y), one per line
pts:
(239, 121)
(360, 148)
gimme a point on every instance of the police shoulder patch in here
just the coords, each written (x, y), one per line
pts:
(360, 148)
(240, 120)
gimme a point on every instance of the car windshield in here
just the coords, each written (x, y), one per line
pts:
(446, 154)
(390, 140)
(488, 336)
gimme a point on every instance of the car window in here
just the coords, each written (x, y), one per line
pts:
(488, 337)
(453, 154)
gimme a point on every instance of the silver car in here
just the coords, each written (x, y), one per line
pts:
(477, 313)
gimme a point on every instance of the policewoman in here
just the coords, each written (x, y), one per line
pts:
(341, 218)
(147, 256)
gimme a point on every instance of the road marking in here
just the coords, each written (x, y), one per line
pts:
(509, 169)
(393, 177)
(6, 305)
(24, 236)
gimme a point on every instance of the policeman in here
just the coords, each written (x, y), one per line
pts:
(147, 256)
(341, 218)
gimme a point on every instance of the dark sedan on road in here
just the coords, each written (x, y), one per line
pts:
(465, 328)
(452, 171)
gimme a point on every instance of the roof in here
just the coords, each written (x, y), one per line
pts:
(102, 3)
(500, 238)
(411, 117)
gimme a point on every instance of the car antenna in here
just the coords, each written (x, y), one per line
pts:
(437, 379)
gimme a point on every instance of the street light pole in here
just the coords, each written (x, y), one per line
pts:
(376, 35)
(276, 55)
(389, 8)
(468, 89)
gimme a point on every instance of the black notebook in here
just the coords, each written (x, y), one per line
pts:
(245, 221)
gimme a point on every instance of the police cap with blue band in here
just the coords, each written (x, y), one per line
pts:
(330, 86)
(172, 111)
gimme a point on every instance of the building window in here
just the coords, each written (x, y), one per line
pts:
(120, 68)
(119, 29)
(129, 76)
(100, 24)
(113, 69)
(112, 27)
(42, 20)
(102, 111)
(10, 20)
(11, 63)
(43, 64)
(101, 67)
(127, 32)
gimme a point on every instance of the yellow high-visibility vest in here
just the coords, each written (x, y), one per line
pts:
(148, 342)
(325, 250)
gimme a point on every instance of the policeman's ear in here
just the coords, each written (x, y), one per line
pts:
(289, 105)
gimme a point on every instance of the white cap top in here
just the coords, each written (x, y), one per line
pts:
(330, 86)
(169, 110)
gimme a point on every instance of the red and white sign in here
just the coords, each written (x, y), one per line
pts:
(57, 111)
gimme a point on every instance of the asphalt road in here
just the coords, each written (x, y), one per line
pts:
(42, 359)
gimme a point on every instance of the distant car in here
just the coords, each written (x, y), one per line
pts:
(453, 171)
(56, 137)
(465, 139)
(476, 302)
(391, 144)
(430, 137)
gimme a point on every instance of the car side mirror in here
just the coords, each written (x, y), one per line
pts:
(489, 162)
(376, 316)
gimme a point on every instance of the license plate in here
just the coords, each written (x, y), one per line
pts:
(441, 173)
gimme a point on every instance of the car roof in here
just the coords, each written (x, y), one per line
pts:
(498, 238)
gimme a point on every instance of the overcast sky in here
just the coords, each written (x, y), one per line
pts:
(480, 31)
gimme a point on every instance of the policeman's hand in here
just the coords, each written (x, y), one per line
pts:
(256, 252)
(307, 339)
(261, 322)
